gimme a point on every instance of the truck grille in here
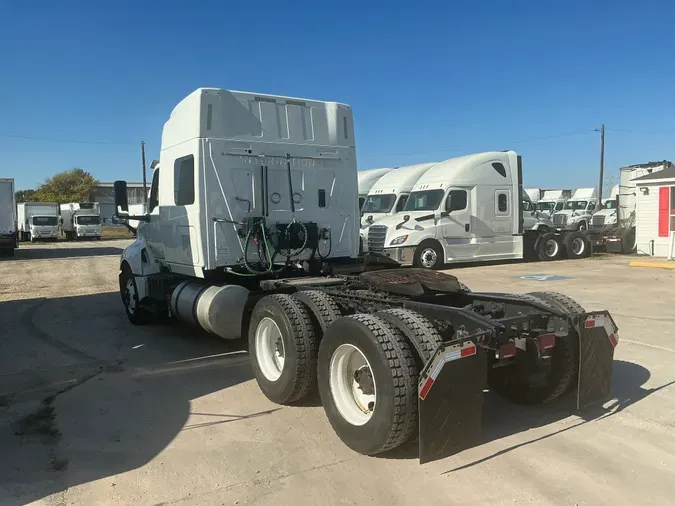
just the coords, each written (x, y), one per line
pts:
(598, 221)
(376, 237)
(559, 219)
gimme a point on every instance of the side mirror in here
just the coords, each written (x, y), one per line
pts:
(438, 214)
(121, 201)
(370, 219)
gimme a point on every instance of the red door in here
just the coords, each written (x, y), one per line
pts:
(664, 211)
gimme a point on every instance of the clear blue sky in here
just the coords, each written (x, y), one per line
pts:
(426, 80)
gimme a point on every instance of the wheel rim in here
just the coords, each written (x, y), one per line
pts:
(428, 257)
(269, 349)
(352, 384)
(551, 247)
(130, 296)
(578, 246)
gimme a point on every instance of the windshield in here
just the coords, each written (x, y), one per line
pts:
(427, 200)
(610, 204)
(45, 220)
(575, 205)
(379, 203)
(545, 206)
(88, 220)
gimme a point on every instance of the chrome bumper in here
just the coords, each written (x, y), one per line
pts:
(404, 255)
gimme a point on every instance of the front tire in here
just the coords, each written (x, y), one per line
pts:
(429, 255)
(283, 347)
(368, 383)
(136, 314)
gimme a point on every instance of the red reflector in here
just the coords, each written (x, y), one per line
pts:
(546, 341)
(507, 350)
(426, 388)
(468, 351)
(613, 340)
(590, 323)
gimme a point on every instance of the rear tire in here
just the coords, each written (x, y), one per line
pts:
(429, 255)
(419, 331)
(372, 408)
(283, 348)
(510, 383)
(577, 245)
(548, 247)
(322, 306)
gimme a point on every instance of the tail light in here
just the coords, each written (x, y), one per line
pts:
(546, 341)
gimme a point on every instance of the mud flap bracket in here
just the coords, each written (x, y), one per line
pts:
(598, 336)
(450, 400)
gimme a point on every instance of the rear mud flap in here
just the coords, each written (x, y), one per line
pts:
(451, 401)
(598, 336)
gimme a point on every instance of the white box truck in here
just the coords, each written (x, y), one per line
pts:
(252, 231)
(38, 221)
(81, 220)
(8, 236)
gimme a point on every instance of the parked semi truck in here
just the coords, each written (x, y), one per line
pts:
(252, 231)
(81, 220)
(614, 231)
(578, 210)
(367, 179)
(8, 234)
(38, 221)
(553, 201)
(469, 209)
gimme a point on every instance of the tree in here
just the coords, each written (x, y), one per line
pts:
(26, 196)
(75, 185)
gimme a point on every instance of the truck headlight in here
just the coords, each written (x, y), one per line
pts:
(399, 240)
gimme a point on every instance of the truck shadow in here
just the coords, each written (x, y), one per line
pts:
(47, 252)
(502, 418)
(84, 395)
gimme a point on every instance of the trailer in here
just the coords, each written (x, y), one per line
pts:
(81, 220)
(38, 221)
(253, 233)
(8, 234)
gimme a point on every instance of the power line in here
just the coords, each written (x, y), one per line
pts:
(65, 141)
(625, 131)
(531, 139)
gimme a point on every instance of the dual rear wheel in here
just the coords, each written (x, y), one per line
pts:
(365, 366)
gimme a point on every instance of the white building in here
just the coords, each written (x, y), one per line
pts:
(655, 212)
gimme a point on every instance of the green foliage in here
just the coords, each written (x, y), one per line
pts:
(26, 196)
(75, 185)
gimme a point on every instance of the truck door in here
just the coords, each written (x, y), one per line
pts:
(152, 228)
(454, 230)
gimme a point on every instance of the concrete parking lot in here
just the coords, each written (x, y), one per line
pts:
(96, 411)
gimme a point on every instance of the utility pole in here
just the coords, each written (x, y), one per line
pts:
(602, 160)
(145, 183)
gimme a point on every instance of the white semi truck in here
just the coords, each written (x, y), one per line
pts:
(367, 179)
(578, 210)
(81, 220)
(469, 209)
(553, 201)
(38, 221)
(390, 193)
(8, 235)
(252, 231)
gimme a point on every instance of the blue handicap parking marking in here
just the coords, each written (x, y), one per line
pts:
(542, 277)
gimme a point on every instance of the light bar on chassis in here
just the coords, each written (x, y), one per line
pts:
(451, 384)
